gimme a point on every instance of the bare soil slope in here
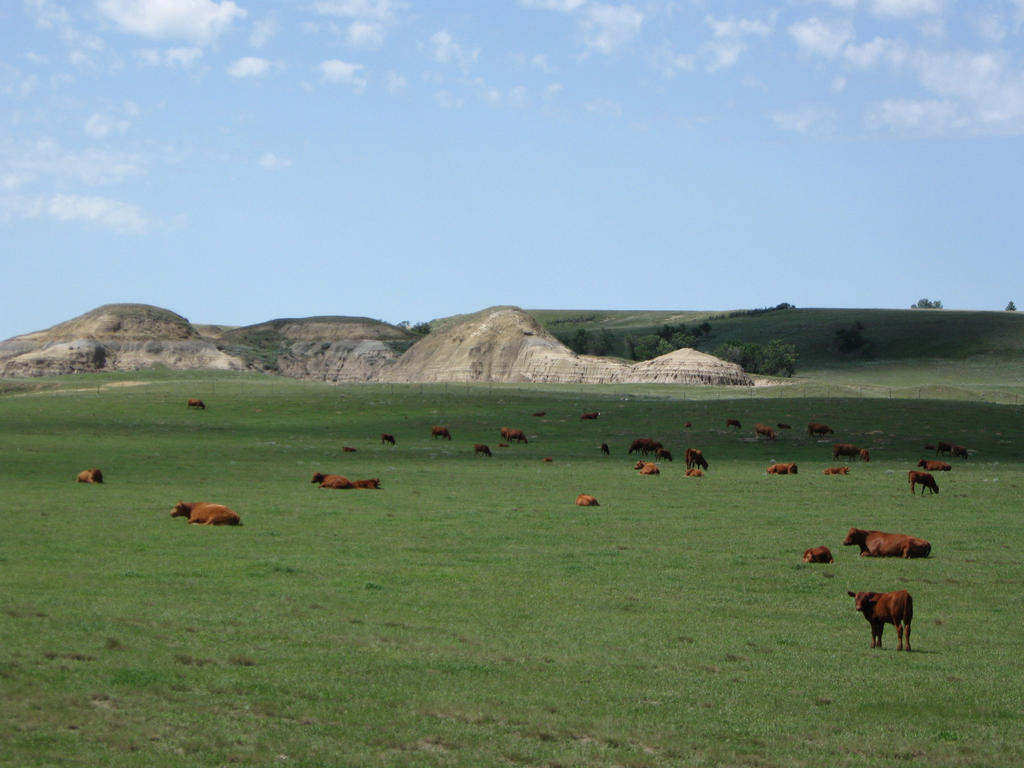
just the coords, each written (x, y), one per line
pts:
(505, 344)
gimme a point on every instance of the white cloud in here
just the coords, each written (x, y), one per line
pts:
(394, 82)
(198, 21)
(918, 116)
(447, 100)
(608, 27)
(249, 66)
(382, 11)
(366, 34)
(46, 160)
(904, 9)
(540, 61)
(446, 50)
(114, 215)
(370, 18)
(826, 38)
(990, 27)
(272, 162)
(564, 6)
(805, 120)
(337, 71)
(723, 53)
(99, 125)
(733, 27)
(603, 107)
(172, 57)
(878, 50)
(262, 33)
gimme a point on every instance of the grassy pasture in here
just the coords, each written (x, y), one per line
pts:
(468, 614)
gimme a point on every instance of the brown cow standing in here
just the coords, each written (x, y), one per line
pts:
(934, 466)
(818, 555)
(881, 608)
(481, 448)
(881, 544)
(695, 458)
(196, 403)
(586, 500)
(590, 416)
(814, 428)
(661, 453)
(783, 469)
(764, 429)
(959, 450)
(687, 425)
(733, 423)
(942, 447)
(604, 449)
(836, 471)
(331, 481)
(647, 468)
(644, 445)
(437, 432)
(864, 454)
(89, 476)
(924, 479)
(845, 449)
(204, 513)
(387, 439)
(513, 434)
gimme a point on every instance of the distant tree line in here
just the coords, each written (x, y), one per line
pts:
(927, 304)
(776, 359)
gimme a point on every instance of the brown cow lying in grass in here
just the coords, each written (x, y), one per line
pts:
(880, 544)
(586, 500)
(90, 476)
(373, 482)
(204, 513)
(647, 468)
(196, 403)
(783, 469)
(331, 481)
(881, 608)
(836, 471)
(590, 416)
(348, 449)
(924, 479)
(818, 555)
(694, 472)
(934, 466)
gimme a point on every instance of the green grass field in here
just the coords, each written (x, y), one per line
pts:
(468, 614)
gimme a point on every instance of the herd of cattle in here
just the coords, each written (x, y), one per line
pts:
(878, 608)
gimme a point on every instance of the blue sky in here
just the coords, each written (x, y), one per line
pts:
(405, 160)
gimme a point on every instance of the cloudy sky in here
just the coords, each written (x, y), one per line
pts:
(411, 159)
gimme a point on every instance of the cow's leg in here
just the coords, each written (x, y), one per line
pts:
(899, 636)
(876, 634)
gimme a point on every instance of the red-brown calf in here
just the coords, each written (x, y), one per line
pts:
(881, 608)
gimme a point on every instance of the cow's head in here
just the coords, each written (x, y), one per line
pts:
(864, 601)
(318, 477)
(181, 510)
(855, 536)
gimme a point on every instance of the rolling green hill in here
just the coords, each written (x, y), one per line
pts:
(889, 334)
